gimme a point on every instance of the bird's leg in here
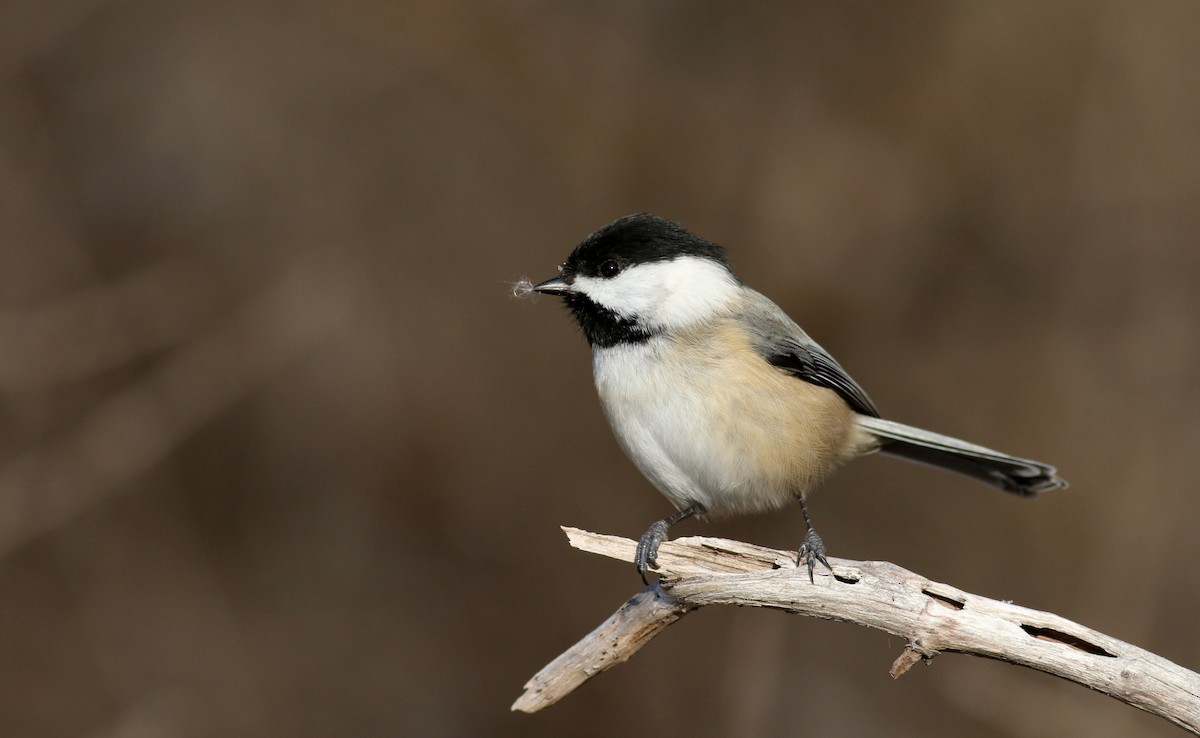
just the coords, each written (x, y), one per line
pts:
(647, 548)
(813, 548)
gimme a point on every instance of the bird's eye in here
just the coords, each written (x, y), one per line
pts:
(610, 269)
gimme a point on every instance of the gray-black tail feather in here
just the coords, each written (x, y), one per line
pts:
(1009, 473)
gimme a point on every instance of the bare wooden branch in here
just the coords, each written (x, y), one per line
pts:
(933, 618)
(644, 616)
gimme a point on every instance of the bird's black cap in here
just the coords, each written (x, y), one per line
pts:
(638, 239)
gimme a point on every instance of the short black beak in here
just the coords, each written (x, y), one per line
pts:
(554, 286)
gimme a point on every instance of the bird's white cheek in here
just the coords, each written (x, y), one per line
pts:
(666, 294)
(688, 304)
(629, 295)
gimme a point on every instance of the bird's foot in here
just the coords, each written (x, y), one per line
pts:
(811, 551)
(647, 548)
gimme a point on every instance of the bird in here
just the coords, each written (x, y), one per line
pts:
(719, 398)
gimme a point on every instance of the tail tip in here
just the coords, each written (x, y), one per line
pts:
(1033, 482)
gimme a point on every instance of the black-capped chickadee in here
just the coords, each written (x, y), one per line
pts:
(719, 398)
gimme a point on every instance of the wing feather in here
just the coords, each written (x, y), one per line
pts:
(785, 345)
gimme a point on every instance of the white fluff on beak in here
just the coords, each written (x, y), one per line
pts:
(522, 288)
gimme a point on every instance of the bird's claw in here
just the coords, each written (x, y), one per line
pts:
(647, 548)
(811, 551)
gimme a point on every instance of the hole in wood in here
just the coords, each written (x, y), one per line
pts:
(950, 602)
(1057, 636)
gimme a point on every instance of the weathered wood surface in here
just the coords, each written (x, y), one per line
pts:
(932, 617)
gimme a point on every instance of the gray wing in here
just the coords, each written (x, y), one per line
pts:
(783, 344)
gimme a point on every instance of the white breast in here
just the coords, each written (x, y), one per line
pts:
(653, 418)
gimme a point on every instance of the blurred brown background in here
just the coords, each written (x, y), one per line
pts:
(280, 455)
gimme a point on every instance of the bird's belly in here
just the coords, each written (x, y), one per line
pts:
(718, 429)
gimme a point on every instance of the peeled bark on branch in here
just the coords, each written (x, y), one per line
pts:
(933, 618)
